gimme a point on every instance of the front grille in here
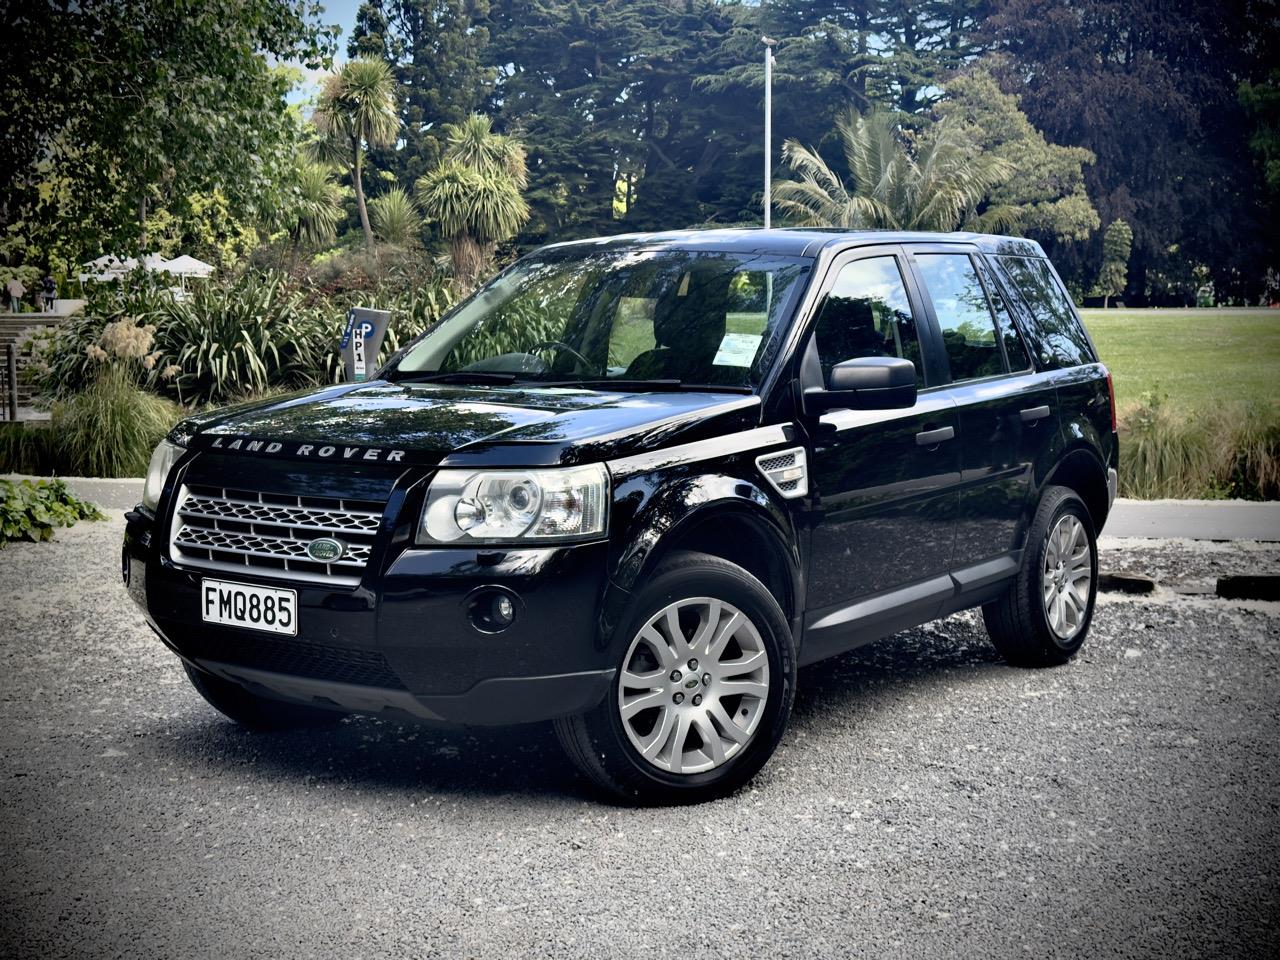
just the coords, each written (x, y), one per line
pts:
(365, 668)
(218, 528)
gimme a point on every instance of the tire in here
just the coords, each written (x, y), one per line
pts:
(729, 618)
(257, 713)
(1022, 622)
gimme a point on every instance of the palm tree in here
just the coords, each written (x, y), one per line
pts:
(939, 188)
(474, 195)
(357, 111)
(319, 207)
(395, 217)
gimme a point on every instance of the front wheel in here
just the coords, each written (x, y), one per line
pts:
(1043, 618)
(703, 690)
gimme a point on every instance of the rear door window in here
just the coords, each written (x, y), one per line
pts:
(964, 317)
(1058, 338)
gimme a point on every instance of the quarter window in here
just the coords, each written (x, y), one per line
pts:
(1060, 340)
(964, 316)
(867, 314)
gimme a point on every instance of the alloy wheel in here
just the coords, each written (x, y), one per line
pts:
(694, 685)
(1068, 570)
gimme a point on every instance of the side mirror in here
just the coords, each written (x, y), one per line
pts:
(866, 383)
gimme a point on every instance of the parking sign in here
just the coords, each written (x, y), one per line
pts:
(361, 341)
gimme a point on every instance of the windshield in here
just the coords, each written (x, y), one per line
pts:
(656, 317)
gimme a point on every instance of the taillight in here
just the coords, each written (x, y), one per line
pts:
(1111, 394)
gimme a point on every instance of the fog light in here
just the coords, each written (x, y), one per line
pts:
(492, 609)
(502, 610)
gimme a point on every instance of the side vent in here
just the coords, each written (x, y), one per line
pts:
(786, 471)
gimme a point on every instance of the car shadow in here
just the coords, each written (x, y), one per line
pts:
(390, 755)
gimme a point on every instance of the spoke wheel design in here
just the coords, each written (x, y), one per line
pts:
(694, 685)
(1068, 570)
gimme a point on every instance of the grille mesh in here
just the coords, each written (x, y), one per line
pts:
(366, 668)
(236, 530)
(787, 471)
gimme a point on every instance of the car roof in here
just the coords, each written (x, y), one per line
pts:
(797, 241)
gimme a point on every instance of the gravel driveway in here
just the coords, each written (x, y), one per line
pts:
(928, 800)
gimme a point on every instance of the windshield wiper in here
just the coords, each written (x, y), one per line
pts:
(458, 376)
(656, 386)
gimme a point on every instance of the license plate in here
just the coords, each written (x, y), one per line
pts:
(255, 608)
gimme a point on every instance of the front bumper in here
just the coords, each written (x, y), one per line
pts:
(403, 643)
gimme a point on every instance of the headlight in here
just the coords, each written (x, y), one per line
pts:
(161, 462)
(491, 506)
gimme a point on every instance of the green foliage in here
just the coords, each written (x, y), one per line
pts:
(317, 209)
(396, 219)
(357, 111)
(1116, 244)
(25, 448)
(30, 511)
(437, 50)
(229, 340)
(1043, 195)
(202, 225)
(144, 103)
(934, 189)
(110, 428)
(1224, 452)
(474, 195)
(244, 335)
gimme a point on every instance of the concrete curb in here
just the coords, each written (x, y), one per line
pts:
(1130, 519)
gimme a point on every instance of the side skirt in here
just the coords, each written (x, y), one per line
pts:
(842, 627)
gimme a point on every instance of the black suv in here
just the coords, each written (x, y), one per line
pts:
(633, 483)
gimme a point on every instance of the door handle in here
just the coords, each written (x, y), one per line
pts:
(931, 438)
(1032, 414)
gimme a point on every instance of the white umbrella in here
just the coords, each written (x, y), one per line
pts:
(188, 266)
(107, 268)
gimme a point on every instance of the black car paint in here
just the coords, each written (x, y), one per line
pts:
(892, 533)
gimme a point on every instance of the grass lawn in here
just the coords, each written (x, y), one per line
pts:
(1196, 357)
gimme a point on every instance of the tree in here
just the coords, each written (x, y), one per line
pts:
(396, 219)
(936, 189)
(318, 208)
(437, 52)
(1116, 244)
(1044, 195)
(357, 111)
(474, 195)
(144, 103)
(1151, 90)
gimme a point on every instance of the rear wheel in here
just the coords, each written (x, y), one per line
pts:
(1044, 617)
(703, 691)
(257, 713)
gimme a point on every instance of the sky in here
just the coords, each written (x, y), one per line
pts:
(343, 13)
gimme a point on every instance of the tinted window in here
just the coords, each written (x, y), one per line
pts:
(867, 314)
(627, 313)
(1056, 333)
(964, 317)
(1015, 351)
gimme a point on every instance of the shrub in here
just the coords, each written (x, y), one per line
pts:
(26, 449)
(260, 331)
(30, 511)
(110, 429)
(1227, 452)
(244, 337)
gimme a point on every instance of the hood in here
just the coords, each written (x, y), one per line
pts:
(431, 424)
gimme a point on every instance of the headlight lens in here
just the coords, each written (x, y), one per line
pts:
(504, 505)
(162, 461)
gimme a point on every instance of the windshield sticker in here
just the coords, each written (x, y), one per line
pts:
(737, 350)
